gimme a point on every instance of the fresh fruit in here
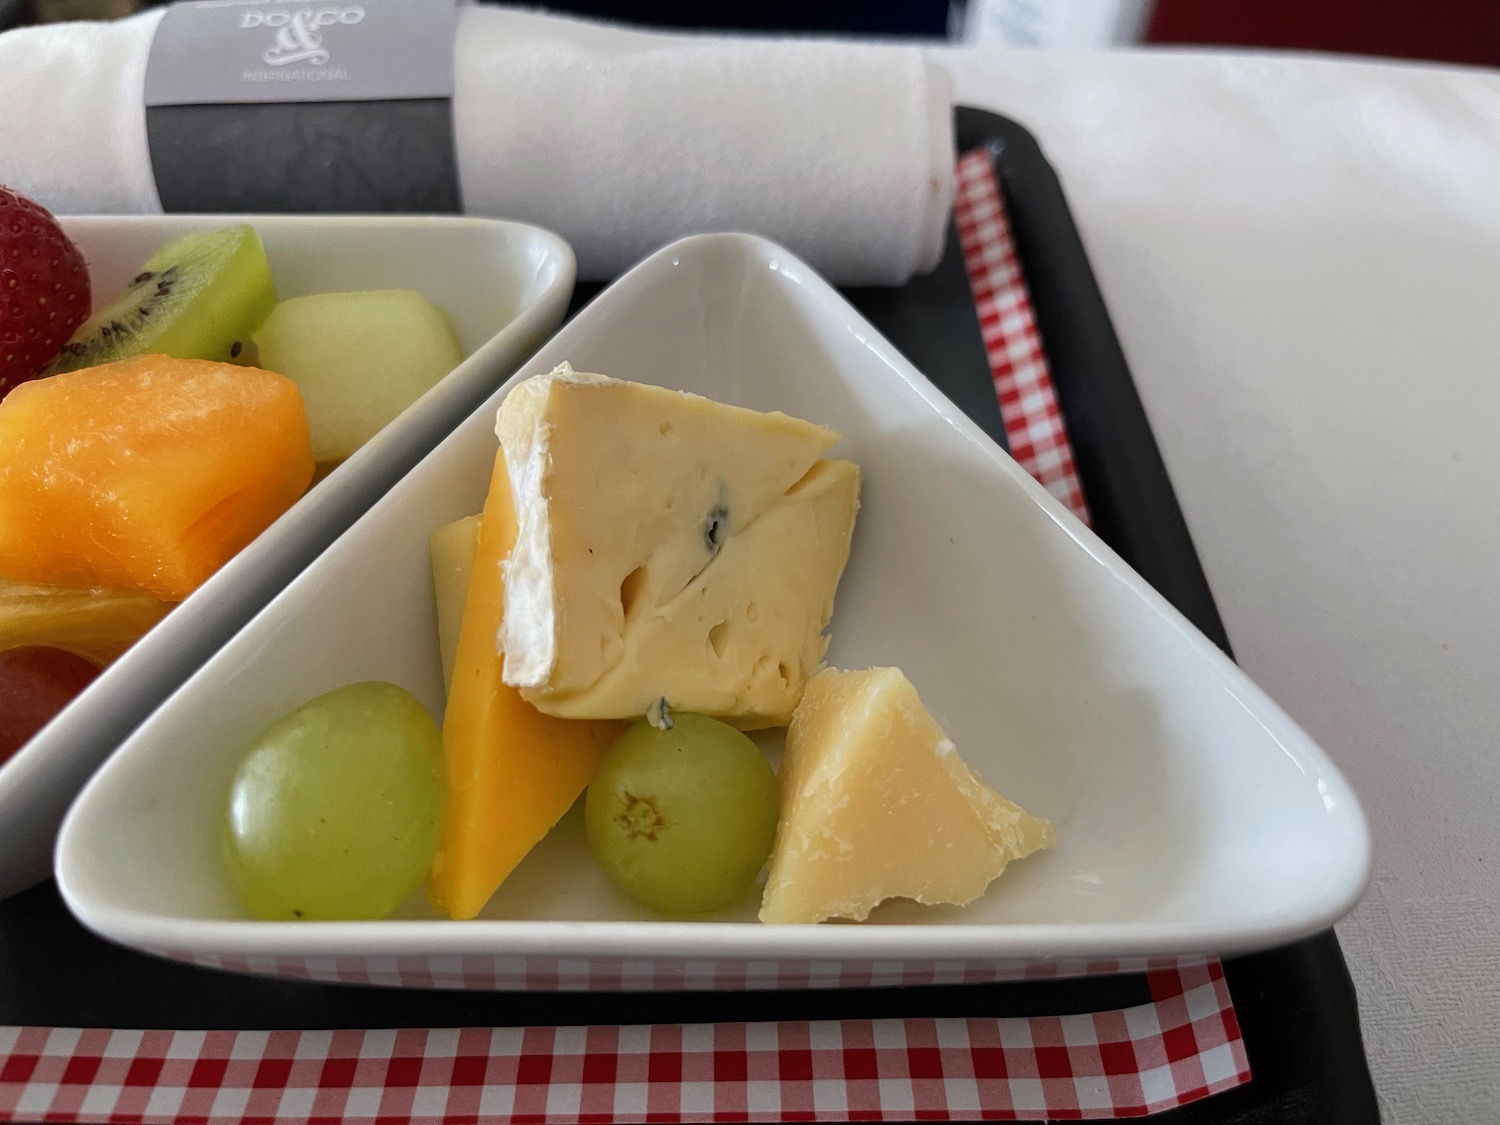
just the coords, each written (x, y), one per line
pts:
(877, 804)
(335, 811)
(359, 358)
(35, 684)
(44, 288)
(453, 546)
(682, 819)
(200, 296)
(145, 475)
(512, 771)
(96, 624)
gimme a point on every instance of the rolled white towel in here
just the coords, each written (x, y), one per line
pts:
(618, 140)
(72, 126)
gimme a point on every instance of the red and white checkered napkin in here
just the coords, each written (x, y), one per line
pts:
(1183, 1045)
(1034, 425)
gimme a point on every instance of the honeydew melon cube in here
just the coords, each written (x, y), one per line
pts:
(359, 359)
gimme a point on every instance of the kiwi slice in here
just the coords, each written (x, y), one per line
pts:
(198, 297)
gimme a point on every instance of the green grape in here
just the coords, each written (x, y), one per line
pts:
(335, 811)
(682, 819)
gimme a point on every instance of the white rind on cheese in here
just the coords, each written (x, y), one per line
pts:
(877, 804)
(668, 547)
(525, 433)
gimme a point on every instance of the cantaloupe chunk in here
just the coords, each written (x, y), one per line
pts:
(147, 474)
(95, 624)
(512, 772)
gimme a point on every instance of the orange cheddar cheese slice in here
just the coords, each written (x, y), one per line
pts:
(512, 772)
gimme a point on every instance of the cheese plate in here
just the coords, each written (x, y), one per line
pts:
(1192, 816)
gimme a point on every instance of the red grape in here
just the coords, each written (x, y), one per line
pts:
(35, 684)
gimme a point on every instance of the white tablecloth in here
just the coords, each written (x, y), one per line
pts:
(1302, 259)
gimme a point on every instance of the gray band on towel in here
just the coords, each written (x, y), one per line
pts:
(268, 106)
(386, 156)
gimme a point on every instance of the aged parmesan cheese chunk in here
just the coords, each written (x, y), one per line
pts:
(452, 547)
(669, 547)
(877, 804)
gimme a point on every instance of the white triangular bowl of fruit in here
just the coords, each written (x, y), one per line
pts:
(506, 752)
(243, 390)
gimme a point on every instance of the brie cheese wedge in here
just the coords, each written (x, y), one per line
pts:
(670, 548)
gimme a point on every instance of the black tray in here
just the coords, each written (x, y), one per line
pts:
(1296, 1005)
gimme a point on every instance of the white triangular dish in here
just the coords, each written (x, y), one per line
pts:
(1193, 817)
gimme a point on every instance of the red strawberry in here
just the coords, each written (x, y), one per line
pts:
(44, 289)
